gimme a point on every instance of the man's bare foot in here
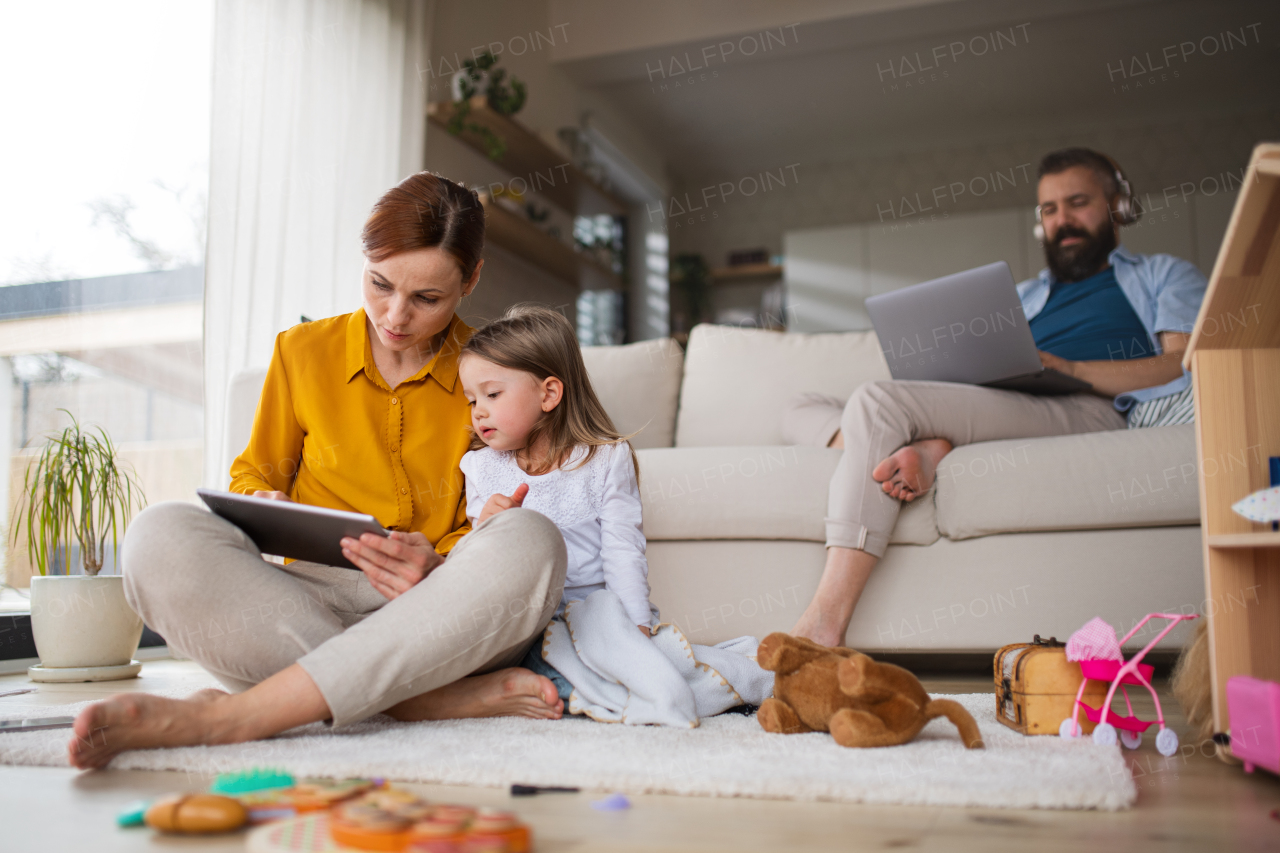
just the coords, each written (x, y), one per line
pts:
(142, 721)
(817, 626)
(910, 472)
(513, 692)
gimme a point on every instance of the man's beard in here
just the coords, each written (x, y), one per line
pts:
(1074, 263)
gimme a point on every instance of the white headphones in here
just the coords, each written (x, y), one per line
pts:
(1127, 208)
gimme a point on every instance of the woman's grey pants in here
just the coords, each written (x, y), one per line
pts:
(203, 585)
(882, 417)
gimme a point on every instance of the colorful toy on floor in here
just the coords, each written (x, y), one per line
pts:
(259, 793)
(196, 814)
(392, 819)
(1254, 709)
(861, 702)
(250, 781)
(612, 803)
(1097, 650)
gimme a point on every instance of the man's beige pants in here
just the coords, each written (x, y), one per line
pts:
(882, 417)
(203, 585)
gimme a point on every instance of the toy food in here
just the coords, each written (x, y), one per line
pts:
(861, 702)
(250, 781)
(378, 820)
(315, 794)
(196, 813)
(393, 819)
(491, 823)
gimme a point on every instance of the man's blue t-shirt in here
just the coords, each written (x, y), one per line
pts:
(1090, 320)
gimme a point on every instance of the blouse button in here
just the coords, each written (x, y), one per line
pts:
(404, 491)
(394, 401)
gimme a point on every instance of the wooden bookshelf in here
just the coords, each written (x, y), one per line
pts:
(745, 271)
(521, 237)
(1234, 359)
(1270, 539)
(545, 170)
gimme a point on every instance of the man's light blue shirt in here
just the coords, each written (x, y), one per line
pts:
(1164, 291)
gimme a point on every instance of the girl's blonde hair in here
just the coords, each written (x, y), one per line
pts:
(539, 341)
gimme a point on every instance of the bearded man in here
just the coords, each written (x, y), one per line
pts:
(1117, 320)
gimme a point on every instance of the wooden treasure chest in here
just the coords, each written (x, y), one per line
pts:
(1036, 687)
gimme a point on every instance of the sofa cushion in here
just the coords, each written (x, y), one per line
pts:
(752, 493)
(737, 382)
(1125, 478)
(639, 386)
(243, 392)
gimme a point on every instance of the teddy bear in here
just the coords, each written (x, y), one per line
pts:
(861, 702)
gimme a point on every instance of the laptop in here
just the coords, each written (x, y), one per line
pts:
(967, 327)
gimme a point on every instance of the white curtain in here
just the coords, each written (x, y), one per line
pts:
(318, 108)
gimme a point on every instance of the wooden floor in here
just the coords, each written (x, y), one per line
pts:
(1196, 803)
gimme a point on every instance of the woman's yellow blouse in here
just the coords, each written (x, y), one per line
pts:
(330, 432)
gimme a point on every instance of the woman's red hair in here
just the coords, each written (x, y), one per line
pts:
(426, 211)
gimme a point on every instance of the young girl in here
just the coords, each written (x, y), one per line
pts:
(544, 442)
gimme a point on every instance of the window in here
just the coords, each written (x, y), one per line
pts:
(102, 237)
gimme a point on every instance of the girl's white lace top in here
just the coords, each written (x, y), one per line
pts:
(597, 508)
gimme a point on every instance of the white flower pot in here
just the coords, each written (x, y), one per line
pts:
(80, 621)
(455, 83)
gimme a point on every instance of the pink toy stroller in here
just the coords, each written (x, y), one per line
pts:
(1096, 648)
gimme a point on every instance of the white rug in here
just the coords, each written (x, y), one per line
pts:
(727, 756)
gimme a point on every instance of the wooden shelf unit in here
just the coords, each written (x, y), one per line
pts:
(746, 271)
(546, 170)
(1269, 539)
(521, 237)
(1234, 358)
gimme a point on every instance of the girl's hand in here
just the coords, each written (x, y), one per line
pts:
(275, 496)
(644, 629)
(498, 503)
(393, 564)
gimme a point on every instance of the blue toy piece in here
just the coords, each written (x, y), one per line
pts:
(251, 780)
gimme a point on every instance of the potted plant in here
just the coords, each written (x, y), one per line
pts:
(75, 496)
(479, 76)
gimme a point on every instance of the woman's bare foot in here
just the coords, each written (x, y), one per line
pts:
(142, 721)
(910, 472)
(513, 692)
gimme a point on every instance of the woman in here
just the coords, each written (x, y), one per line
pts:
(358, 412)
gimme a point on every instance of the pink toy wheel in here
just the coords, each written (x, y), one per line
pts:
(1069, 730)
(1167, 742)
(1131, 740)
(1104, 734)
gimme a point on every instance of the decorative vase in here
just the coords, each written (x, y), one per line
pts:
(83, 628)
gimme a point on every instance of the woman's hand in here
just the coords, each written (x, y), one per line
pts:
(275, 496)
(394, 564)
(644, 629)
(498, 503)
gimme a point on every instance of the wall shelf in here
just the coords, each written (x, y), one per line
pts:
(546, 170)
(745, 271)
(524, 239)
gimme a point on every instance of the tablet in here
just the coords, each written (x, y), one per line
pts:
(287, 529)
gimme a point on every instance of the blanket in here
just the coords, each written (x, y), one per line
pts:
(620, 676)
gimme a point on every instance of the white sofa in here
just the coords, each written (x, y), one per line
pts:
(1022, 537)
